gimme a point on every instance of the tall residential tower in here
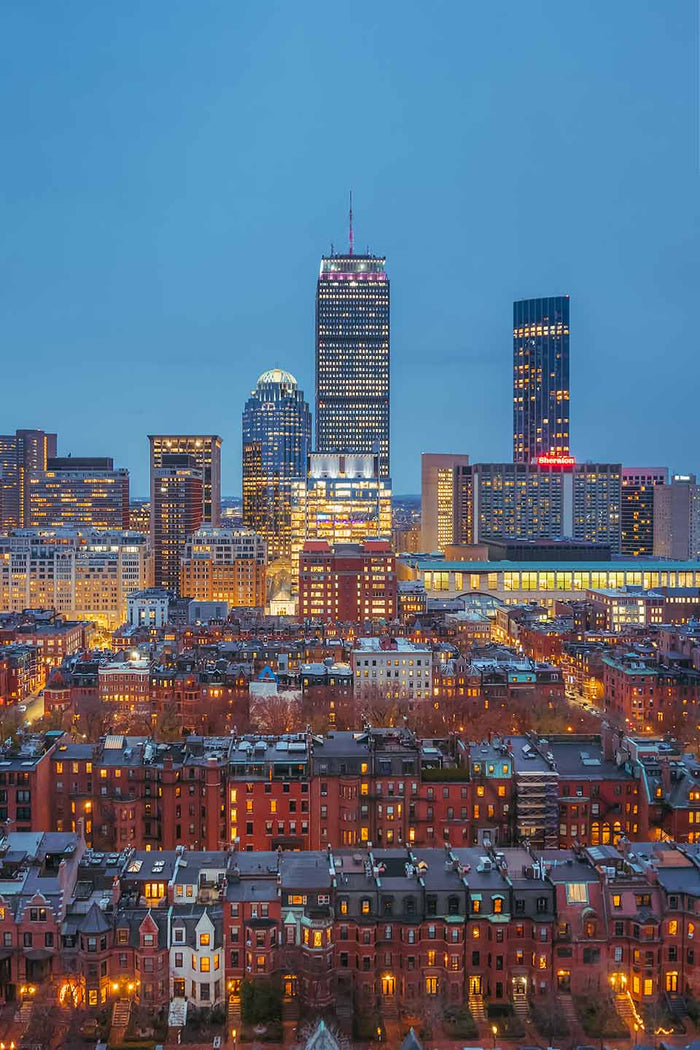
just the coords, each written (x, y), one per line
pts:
(276, 446)
(352, 357)
(540, 378)
(206, 451)
(21, 453)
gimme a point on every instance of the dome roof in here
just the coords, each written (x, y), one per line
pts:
(277, 375)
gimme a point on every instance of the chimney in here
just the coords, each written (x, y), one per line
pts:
(608, 739)
(666, 777)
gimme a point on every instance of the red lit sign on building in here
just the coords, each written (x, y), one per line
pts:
(555, 461)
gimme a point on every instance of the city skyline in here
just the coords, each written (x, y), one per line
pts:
(157, 268)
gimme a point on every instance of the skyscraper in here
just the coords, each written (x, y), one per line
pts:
(637, 510)
(276, 446)
(176, 513)
(20, 454)
(438, 474)
(206, 449)
(540, 378)
(79, 491)
(352, 356)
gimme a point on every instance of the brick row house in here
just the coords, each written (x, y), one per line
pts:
(347, 929)
(381, 787)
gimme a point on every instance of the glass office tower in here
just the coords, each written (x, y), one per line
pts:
(352, 357)
(276, 446)
(540, 378)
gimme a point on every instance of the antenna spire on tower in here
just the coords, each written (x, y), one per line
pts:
(352, 236)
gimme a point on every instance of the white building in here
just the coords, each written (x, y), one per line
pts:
(148, 608)
(197, 964)
(392, 667)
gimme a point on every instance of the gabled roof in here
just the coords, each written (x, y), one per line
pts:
(94, 922)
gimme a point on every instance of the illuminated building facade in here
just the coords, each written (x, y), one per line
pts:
(276, 446)
(225, 565)
(21, 453)
(352, 357)
(351, 582)
(677, 518)
(82, 574)
(540, 378)
(176, 513)
(206, 451)
(343, 500)
(637, 509)
(551, 499)
(439, 492)
(392, 667)
(140, 516)
(542, 582)
(597, 497)
(75, 492)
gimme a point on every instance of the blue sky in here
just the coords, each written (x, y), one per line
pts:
(172, 171)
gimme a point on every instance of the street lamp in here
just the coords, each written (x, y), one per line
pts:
(234, 1035)
(494, 1033)
(636, 1032)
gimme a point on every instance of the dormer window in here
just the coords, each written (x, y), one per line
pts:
(148, 940)
(178, 935)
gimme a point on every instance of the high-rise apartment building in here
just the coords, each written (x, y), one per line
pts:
(677, 518)
(342, 500)
(82, 574)
(176, 513)
(206, 450)
(351, 582)
(438, 493)
(637, 509)
(79, 491)
(225, 565)
(21, 453)
(352, 357)
(276, 446)
(540, 378)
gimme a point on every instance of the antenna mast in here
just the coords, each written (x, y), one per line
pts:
(352, 236)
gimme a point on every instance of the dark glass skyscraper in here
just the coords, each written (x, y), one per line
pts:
(352, 357)
(540, 378)
(276, 445)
